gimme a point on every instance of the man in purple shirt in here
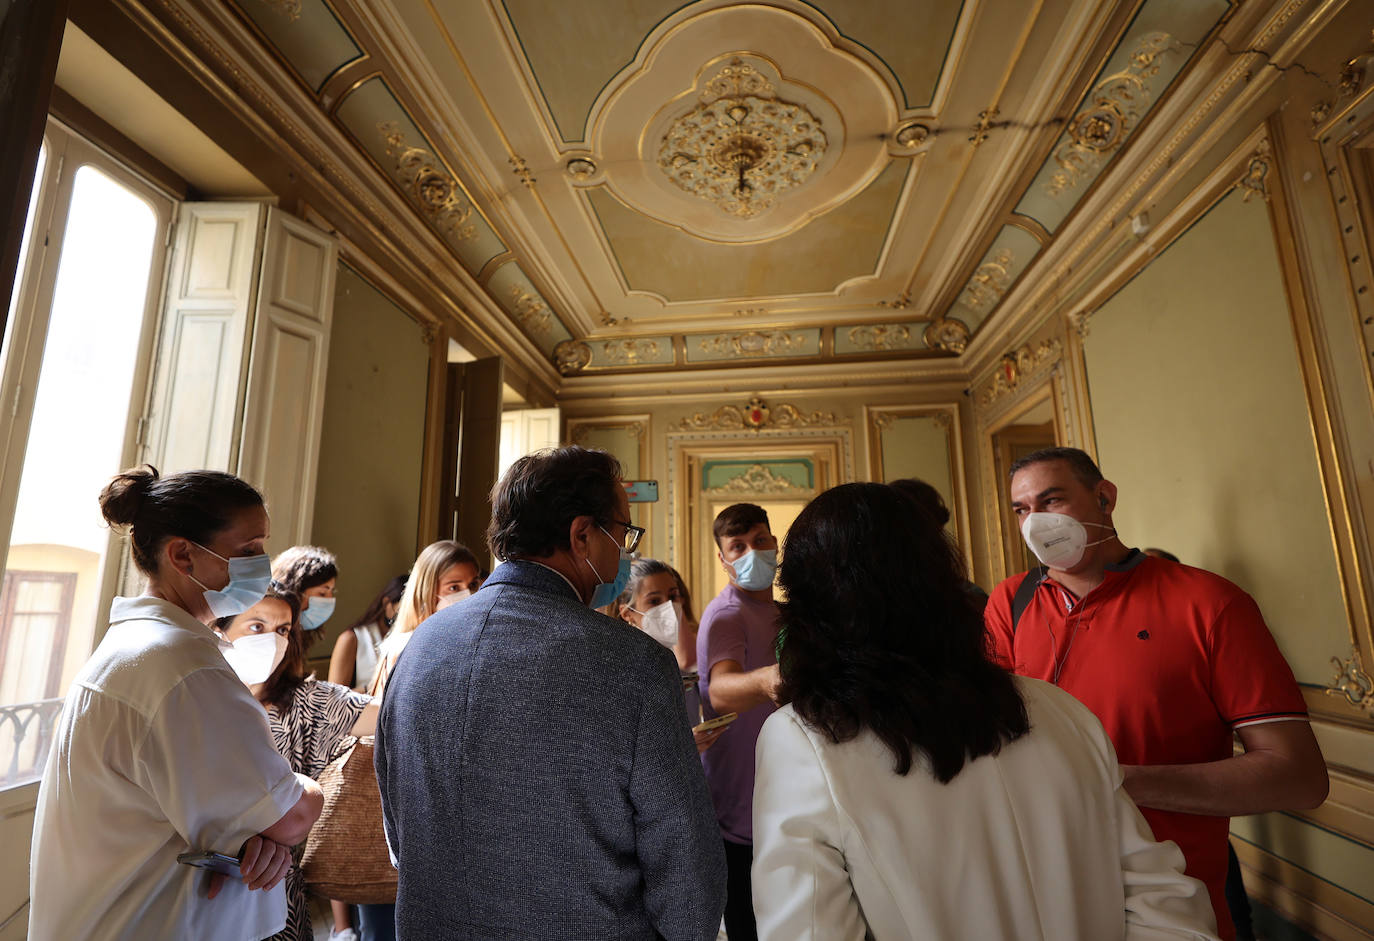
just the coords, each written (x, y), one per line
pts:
(737, 659)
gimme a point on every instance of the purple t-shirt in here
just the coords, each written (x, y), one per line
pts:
(735, 627)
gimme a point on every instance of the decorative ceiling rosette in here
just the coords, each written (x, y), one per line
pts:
(741, 146)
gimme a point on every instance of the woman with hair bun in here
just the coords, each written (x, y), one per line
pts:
(161, 751)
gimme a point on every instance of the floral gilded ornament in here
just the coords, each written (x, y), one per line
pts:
(756, 416)
(1114, 108)
(741, 146)
(881, 336)
(988, 283)
(571, 357)
(435, 192)
(1016, 366)
(758, 479)
(534, 315)
(753, 343)
(1352, 682)
(629, 352)
(947, 334)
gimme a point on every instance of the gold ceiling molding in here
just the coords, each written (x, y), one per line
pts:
(534, 315)
(741, 146)
(989, 281)
(1115, 107)
(759, 480)
(1255, 180)
(881, 336)
(1352, 682)
(1018, 365)
(756, 416)
(900, 302)
(985, 122)
(947, 334)
(753, 343)
(435, 192)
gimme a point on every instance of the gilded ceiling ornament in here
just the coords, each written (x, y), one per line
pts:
(900, 302)
(581, 169)
(1353, 73)
(989, 282)
(755, 416)
(753, 343)
(1081, 321)
(291, 9)
(522, 170)
(571, 357)
(1255, 180)
(1112, 111)
(534, 315)
(912, 136)
(1352, 682)
(881, 336)
(980, 130)
(434, 191)
(947, 334)
(741, 146)
(1016, 366)
(608, 321)
(758, 479)
(629, 352)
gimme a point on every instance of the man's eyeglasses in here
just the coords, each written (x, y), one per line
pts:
(630, 541)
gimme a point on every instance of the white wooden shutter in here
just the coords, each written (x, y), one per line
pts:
(284, 403)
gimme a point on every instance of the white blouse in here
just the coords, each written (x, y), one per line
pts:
(365, 663)
(160, 750)
(1036, 843)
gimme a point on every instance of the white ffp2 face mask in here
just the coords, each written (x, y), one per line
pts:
(255, 656)
(661, 622)
(1057, 539)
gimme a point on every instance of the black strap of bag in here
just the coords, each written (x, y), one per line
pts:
(1024, 592)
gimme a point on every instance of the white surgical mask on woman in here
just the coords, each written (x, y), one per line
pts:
(661, 622)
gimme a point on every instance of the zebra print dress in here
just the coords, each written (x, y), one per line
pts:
(310, 733)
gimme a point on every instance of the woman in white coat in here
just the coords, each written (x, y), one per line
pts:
(910, 788)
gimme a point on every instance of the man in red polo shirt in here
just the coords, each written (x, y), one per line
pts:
(1171, 659)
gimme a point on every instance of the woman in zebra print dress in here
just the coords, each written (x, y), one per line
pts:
(310, 719)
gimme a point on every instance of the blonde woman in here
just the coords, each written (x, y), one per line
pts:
(444, 571)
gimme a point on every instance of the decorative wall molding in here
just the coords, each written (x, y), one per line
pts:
(1255, 180)
(756, 416)
(1018, 366)
(758, 480)
(1352, 682)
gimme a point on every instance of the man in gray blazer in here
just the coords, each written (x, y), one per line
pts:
(538, 780)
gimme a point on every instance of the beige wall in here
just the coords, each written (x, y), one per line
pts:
(1201, 420)
(367, 499)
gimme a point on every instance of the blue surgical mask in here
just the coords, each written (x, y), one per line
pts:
(755, 569)
(606, 592)
(319, 611)
(249, 579)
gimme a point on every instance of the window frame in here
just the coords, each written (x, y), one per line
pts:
(67, 151)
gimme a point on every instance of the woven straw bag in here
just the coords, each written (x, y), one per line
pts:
(346, 856)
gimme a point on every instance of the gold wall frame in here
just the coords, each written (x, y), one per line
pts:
(879, 418)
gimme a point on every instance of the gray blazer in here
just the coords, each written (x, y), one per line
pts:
(537, 777)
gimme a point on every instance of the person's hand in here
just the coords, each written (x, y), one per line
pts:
(263, 862)
(707, 737)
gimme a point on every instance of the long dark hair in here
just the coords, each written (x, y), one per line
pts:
(880, 635)
(376, 611)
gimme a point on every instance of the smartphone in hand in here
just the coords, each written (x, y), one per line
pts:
(215, 862)
(716, 723)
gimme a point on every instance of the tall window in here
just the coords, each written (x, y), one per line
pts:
(75, 360)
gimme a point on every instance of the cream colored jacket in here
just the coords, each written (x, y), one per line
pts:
(1037, 843)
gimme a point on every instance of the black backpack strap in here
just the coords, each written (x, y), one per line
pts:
(1024, 592)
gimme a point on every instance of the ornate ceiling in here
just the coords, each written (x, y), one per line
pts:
(646, 185)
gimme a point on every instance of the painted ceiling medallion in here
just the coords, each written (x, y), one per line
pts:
(947, 334)
(571, 357)
(741, 146)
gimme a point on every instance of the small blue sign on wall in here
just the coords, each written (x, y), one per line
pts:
(641, 491)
